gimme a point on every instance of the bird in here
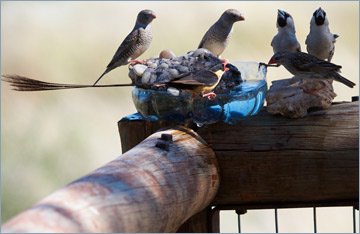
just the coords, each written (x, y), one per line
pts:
(285, 39)
(320, 41)
(307, 66)
(219, 34)
(200, 82)
(135, 44)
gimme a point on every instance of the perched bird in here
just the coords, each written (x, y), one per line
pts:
(196, 82)
(219, 34)
(199, 82)
(320, 42)
(307, 66)
(135, 44)
(285, 39)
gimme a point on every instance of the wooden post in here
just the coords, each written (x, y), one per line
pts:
(271, 161)
(148, 189)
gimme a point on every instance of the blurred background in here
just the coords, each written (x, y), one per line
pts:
(49, 139)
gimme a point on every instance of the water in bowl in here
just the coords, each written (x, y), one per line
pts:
(244, 100)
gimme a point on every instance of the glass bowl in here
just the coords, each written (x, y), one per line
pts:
(244, 100)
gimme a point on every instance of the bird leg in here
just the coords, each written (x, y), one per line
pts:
(211, 96)
(133, 62)
(225, 62)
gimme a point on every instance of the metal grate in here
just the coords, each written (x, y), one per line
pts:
(280, 224)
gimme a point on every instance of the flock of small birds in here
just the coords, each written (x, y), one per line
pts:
(198, 71)
(320, 44)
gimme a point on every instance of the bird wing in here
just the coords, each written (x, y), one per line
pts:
(208, 35)
(202, 77)
(313, 64)
(127, 47)
(203, 40)
(307, 39)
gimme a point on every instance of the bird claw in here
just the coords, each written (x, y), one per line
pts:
(134, 62)
(211, 96)
(225, 62)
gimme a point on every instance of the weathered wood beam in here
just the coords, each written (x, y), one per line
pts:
(273, 161)
(147, 189)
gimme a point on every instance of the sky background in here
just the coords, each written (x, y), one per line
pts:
(49, 139)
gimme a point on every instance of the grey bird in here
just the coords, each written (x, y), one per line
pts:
(320, 42)
(285, 39)
(219, 34)
(307, 66)
(135, 44)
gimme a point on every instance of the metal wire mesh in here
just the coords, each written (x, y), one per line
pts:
(280, 224)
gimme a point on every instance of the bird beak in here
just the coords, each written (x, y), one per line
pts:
(281, 14)
(241, 17)
(153, 15)
(272, 61)
(320, 13)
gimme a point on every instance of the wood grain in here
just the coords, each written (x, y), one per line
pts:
(273, 161)
(147, 189)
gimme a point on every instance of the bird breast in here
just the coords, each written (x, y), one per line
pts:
(320, 43)
(285, 41)
(218, 39)
(144, 42)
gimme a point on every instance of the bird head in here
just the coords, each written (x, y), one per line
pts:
(145, 17)
(231, 16)
(285, 20)
(279, 57)
(319, 17)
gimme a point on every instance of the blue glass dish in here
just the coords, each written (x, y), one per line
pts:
(244, 100)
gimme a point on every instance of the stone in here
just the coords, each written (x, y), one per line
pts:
(167, 54)
(164, 65)
(146, 77)
(183, 68)
(173, 72)
(151, 65)
(200, 52)
(139, 69)
(293, 97)
(173, 91)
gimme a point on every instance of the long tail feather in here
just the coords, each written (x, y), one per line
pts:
(21, 83)
(344, 81)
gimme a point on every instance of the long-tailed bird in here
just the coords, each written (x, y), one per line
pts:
(285, 39)
(200, 82)
(307, 66)
(320, 42)
(219, 34)
(135, 44)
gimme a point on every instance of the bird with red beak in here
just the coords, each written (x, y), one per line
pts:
(309, 67)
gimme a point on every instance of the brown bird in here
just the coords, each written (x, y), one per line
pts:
(307, 66)
(197, 82)
(219, 34)
(135, 44)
